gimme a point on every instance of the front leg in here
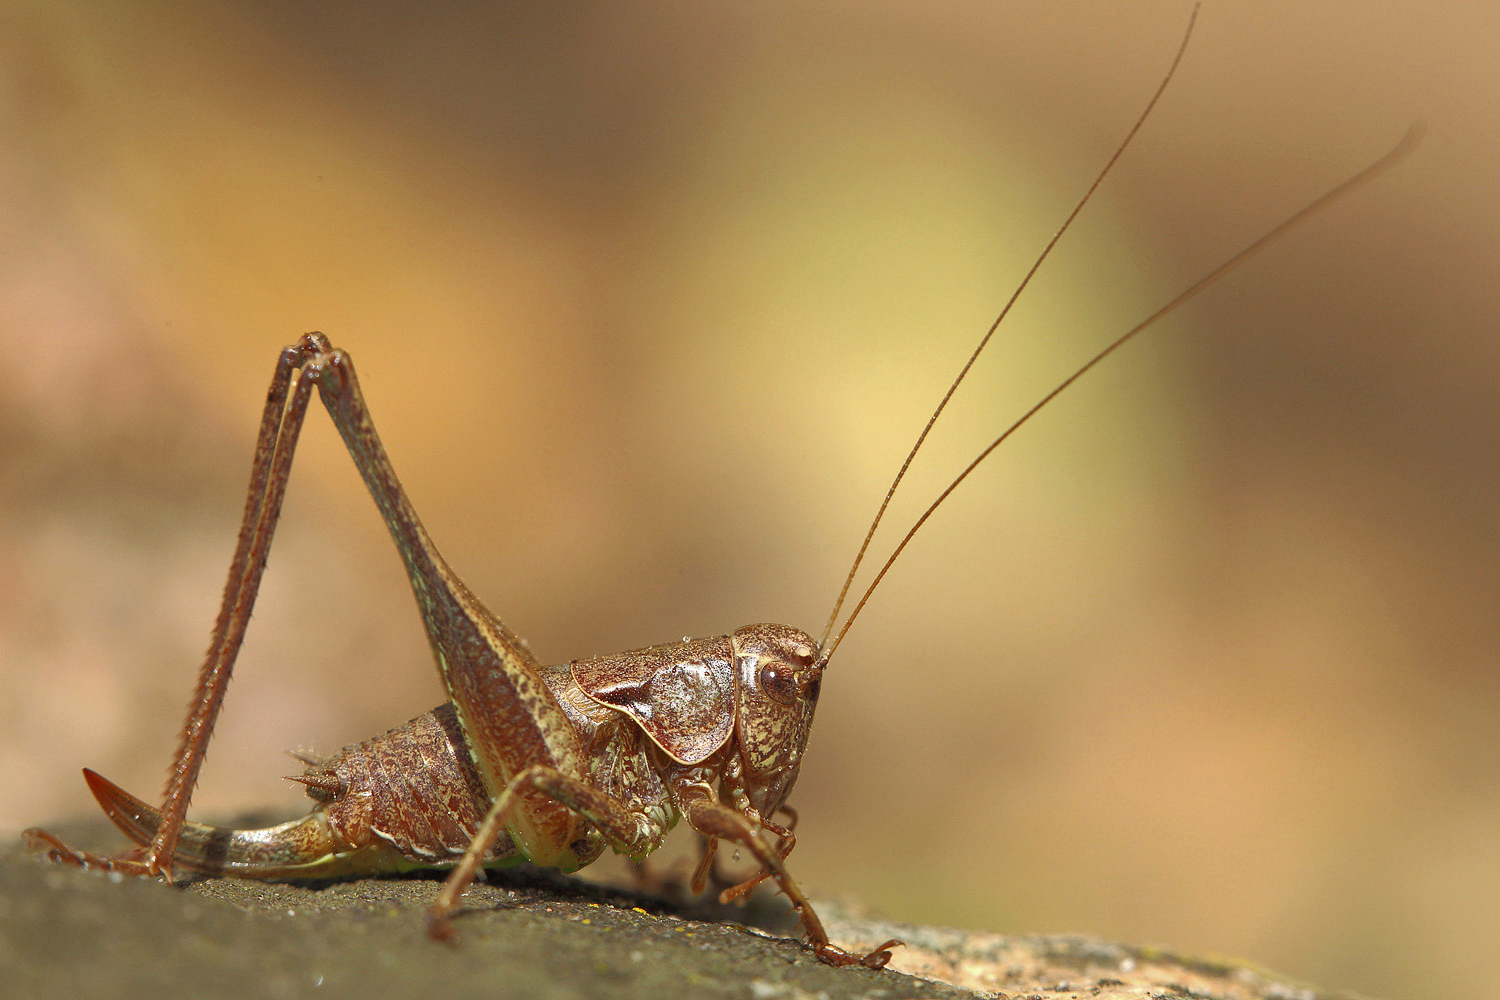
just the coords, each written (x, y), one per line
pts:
(733, 892)
(714, 819)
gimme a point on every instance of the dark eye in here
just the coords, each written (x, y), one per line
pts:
(777, 681)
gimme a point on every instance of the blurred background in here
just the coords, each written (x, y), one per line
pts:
(649, 302)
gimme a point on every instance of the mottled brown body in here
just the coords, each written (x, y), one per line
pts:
(547, 764)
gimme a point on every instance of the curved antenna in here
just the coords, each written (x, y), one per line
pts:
(1396, 154)
(1036, 265)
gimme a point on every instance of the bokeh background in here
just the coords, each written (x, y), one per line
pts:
(650, 301)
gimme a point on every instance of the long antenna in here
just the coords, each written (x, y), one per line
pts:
(1046, 251)
(1396, 154)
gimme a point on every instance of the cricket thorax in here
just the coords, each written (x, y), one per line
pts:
(624, 762)
(680, 695)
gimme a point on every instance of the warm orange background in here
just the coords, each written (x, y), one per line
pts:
(649, 304)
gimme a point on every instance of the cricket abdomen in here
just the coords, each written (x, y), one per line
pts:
(411, 798)
(414, 789)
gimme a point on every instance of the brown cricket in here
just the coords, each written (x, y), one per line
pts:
(548, 764)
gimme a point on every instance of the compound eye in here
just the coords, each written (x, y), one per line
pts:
(778, 682)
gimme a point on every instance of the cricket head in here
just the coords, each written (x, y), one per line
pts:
(778, 677)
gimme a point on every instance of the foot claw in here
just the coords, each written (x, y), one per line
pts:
(42, 842)
(833, 955)
(878, 958)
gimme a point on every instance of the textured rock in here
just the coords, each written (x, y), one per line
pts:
(527, 933)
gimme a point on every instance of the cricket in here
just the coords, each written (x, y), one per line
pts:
(530, 762)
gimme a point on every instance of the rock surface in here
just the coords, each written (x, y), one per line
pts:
(527, 933)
